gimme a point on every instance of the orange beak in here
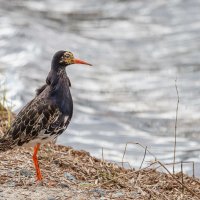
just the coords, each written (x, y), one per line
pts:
(77, 61)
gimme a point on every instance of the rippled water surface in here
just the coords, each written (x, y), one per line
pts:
(138, 49)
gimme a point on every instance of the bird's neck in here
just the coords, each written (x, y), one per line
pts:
(59, 90)
(60, 72)
(55, 75)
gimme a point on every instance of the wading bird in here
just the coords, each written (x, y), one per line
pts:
(45, 117)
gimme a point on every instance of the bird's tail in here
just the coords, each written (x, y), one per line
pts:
(5, 144)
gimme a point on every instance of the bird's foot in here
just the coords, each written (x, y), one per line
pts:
(38, 174)
(35, 160)
(39, 182)
(39, 177)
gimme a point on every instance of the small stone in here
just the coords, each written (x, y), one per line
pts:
(64, 185)
(69, 176)
(11, 184)
(26, 173)
(10, 173)
(117, 195)
(99, 192)
(56, 162)
(51, 198)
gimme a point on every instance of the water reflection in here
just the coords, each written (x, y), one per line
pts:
(138, 49)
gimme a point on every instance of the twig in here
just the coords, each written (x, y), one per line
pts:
(188, 189)
(129, 174)
(145, 152)
(136, 143)
(174, 160)
(193, 175)
(102, 154)
(182, 176)
(124, 154)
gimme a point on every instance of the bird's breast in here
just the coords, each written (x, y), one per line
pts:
(61, 96)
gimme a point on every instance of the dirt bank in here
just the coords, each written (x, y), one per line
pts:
(72, 174)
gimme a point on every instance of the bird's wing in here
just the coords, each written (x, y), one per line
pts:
(41, 89)
(32, 120)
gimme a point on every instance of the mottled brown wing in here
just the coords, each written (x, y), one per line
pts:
(31, 120)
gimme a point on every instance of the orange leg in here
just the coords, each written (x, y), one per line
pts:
(35, 160)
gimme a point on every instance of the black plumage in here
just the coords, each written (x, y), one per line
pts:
(48, 114)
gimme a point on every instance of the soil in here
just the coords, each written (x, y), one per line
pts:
(72, 174)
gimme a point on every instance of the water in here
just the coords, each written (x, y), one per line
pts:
(138, 49)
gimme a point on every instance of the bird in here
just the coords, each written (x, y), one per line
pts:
(48, 114)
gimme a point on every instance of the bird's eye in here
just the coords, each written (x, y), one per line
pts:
(67, 56)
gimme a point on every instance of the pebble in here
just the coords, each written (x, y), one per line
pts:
(117, 195)
(69, 176)
(99, 192)
(10, 173)
(51, 198)
(11, 184)
(64, 185)
(25, 172)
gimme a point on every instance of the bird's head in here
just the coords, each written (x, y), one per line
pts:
(64, 58)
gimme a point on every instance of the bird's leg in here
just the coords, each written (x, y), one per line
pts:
(35, 160)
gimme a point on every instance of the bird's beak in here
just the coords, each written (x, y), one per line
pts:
(77, 61)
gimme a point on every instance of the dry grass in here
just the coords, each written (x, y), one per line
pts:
(5, 114)
(16, 169)
(64, 167)
(5, 118)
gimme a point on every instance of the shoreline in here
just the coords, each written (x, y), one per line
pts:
(73, 174)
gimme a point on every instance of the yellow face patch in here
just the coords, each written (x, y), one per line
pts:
(67, 58)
